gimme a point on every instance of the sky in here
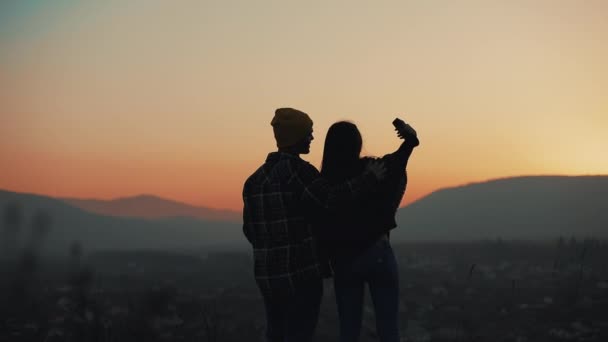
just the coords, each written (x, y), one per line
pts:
(106, 99)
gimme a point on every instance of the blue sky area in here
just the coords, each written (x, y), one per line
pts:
(17, 17)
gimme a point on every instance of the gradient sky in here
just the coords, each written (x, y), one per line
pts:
(112, 98)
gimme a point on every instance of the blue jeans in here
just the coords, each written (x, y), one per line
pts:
(293, 318)
(378, 268)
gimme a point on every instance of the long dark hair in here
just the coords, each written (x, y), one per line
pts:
(341, 151)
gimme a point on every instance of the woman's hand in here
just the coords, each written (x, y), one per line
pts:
(406, 132)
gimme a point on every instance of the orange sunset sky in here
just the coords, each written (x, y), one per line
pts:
(108, 99)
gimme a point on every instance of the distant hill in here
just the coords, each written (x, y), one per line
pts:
(532, 207)
(152, 207)
(512, 208)
(99, 232)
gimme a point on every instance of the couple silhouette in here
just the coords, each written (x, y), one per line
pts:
(305, 225)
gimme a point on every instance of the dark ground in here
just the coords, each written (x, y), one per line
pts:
(476, 291)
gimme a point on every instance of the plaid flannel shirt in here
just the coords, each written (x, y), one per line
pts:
(282, 199)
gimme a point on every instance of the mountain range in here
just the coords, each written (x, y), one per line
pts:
(529, 207)
(69, 224)
(533, 207)
(152, 207)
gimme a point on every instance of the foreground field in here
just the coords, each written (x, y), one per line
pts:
(477, 291)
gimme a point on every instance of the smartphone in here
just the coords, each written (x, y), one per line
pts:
(406, 132)
(400, 125)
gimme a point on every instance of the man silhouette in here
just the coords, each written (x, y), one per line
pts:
(282, 199)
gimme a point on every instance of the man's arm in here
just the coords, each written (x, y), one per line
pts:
(247, 229)
(319, 194)
(247, 225)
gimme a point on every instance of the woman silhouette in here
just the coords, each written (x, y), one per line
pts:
(356, 237)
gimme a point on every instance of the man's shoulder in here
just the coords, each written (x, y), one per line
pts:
(305, 170)
(301, 163)
(279, 168)
(255, 177)
(293, 164)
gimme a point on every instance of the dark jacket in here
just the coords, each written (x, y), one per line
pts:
(351, 229)
(281, 201)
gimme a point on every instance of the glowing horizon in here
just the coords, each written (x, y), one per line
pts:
(107, 100)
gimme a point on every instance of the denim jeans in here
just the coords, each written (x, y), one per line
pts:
(376, 267)
(293, 318)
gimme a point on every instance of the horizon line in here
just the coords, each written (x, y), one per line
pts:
(169, 199)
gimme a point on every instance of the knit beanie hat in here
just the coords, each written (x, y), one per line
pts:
(290, 126)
